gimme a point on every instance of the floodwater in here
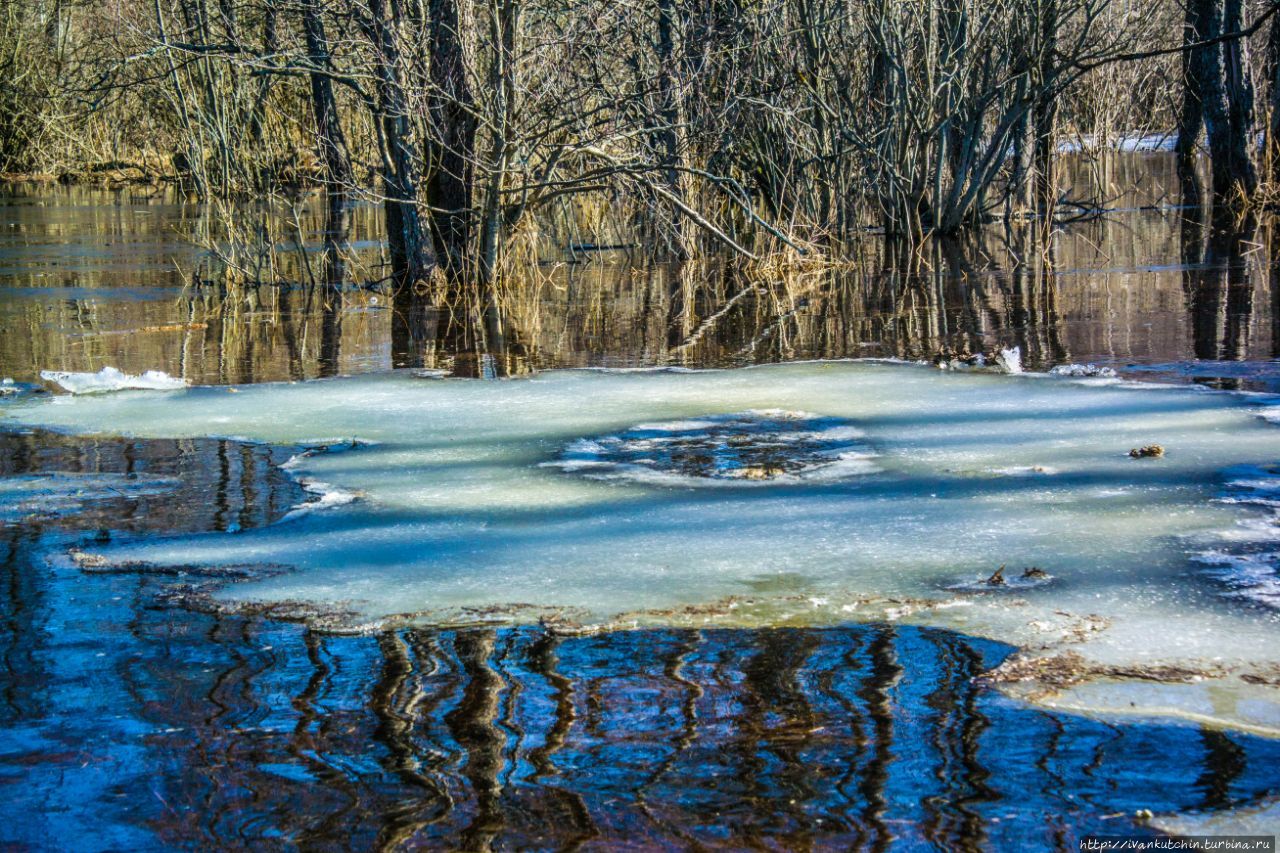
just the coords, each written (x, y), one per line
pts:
(91, 278)
(130, 722)
(127, 724)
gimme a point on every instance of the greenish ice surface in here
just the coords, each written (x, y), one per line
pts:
(802, 494)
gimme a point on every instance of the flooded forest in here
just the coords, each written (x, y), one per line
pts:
(650, 425)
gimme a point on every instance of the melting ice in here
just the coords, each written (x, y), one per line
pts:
(112, 379)
(60, 493)
(760, 447)
(843, 491)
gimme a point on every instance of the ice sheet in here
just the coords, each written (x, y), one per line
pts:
(460, 517)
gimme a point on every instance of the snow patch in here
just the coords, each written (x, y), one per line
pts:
(1010, 360)
(110, 379)
(327, 495)
(1129, 141)
(1081, 370)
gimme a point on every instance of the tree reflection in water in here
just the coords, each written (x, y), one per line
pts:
(91, 281)
(127, 723)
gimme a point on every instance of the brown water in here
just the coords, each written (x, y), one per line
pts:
(91, 278)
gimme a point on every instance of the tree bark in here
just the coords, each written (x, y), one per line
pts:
(1045, 113)
(452, 148)
(1191, 111)
(1273, 101)
(410, 254)
(324, 107)
(504, 22)
(257, 113)
(1238, 86)
(667, 136)
(1226, 96)
(334, 157)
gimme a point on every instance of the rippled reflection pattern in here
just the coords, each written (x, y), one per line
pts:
(242, 731)
(92, 278)
(128, 724)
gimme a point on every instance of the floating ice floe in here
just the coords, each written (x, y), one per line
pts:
(1010, 360)
(1082, 370)
(464, 519)
(110, 379)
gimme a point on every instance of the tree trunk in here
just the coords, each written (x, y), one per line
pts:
(1044, 115)
(669, 121)
(1238, 85)
(336, 161)
(1021, 196)
(410, 255)
(954, 23)
(1223, 84)
(503, 28)
(324, 107)
(1191, 112)
(1273, 101)
(452, 148)
(257, 113)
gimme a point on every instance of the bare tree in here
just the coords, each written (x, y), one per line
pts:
(451, 139)
(411, 256)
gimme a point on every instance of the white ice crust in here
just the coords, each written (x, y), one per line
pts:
(1166, 561)
(111, 379)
